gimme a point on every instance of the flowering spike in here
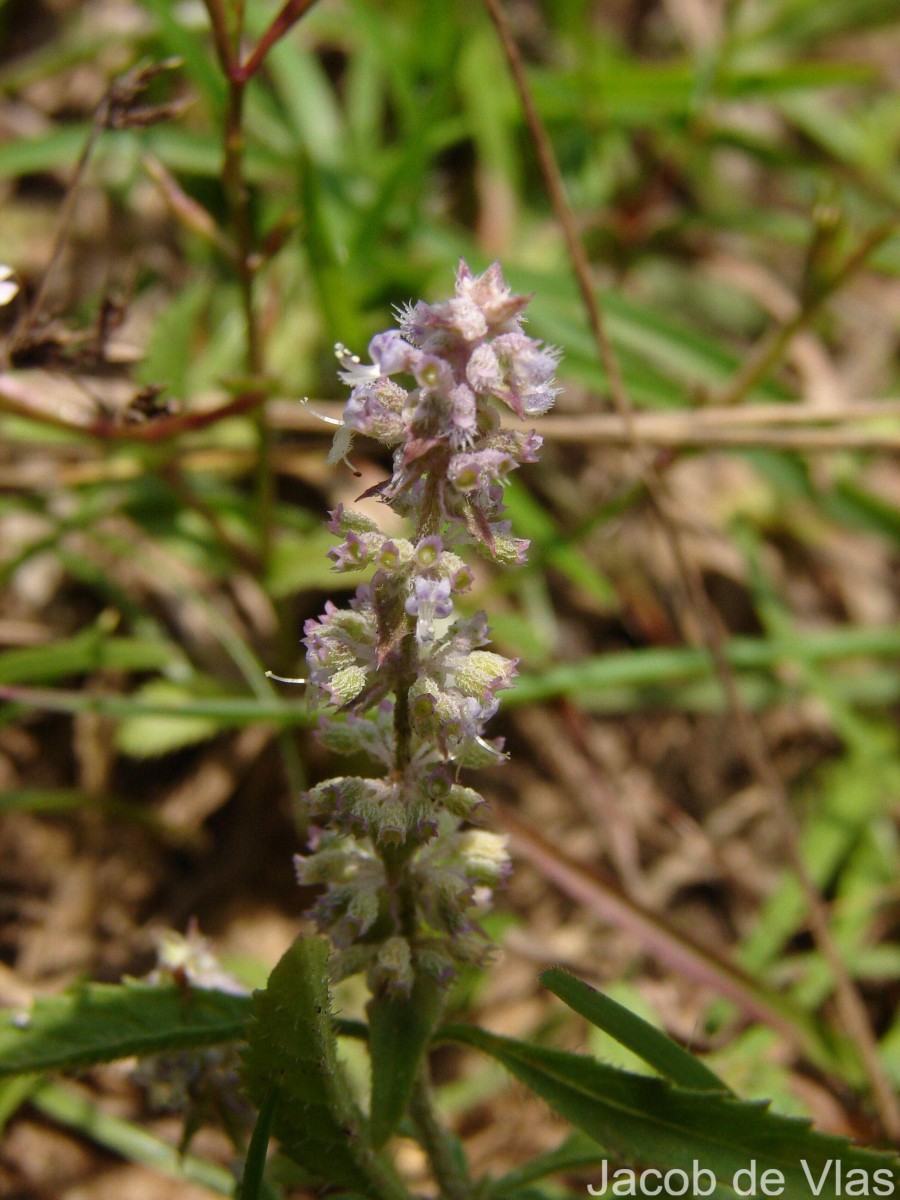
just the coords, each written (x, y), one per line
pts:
(400, 874)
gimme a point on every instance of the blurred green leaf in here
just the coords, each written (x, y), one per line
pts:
(299, 563)
(90, 651)
(627, 91)
(180, 39)
(252, 1180)
(74, 1110)
(151, 736)
(98, 1022)
(577, 1151)
(224, 712)
(14, 1092)
(666, 666)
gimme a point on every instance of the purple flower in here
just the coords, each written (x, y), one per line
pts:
(479, 469)
(527, 370)
(430, 599)
(351, 554)
(393, 354)
(428, 551)
(463, 416)
(375, 408)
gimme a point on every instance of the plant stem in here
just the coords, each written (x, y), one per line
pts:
(227, 43)
(284, 20)
(448, 1168)
(402, 727)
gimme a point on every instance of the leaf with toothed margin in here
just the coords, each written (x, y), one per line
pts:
(645, 1120)
(99, 1022)
(292, 1049)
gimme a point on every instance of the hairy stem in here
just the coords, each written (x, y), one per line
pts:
(447, 1167)
(402, 726)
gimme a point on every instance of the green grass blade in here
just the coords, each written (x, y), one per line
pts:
(88, 651)
(252, 1181)
(654, 667)
(659, 1051)
(226, 711)
(68, 1107)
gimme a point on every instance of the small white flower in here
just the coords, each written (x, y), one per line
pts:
(9, 289)
(352, 369)
(189, 957)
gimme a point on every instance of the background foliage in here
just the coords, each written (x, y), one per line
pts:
(732, 171)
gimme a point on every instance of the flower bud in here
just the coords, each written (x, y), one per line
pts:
(348, 520)
(363, 909)
(391, 823)
(483, 672)
(428, 551)
(486, 857)
(394, 553)
(346, 684)
(393, 966)
(510, 552)
(463, 801)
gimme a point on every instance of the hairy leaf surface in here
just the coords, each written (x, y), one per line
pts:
(292, 1049)
(98, 1022)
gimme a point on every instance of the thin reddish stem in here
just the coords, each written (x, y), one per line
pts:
(281, 24)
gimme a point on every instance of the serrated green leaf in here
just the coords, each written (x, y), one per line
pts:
(642, 1039)
(399, 1030)
(645, 1120)
(98, 1022)
(292, 1048)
